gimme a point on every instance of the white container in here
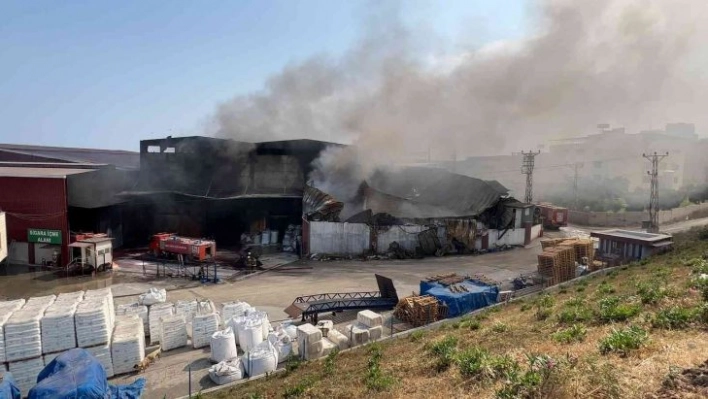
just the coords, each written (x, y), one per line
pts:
(223, 346)
(226, 372)
(250, 334)
(260, 359)
(274, 236)
(265, 237)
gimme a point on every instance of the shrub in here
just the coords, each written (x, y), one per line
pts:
(542, 379)
(376, 379)
(650, 292)
(444, 350)
(472, 324)
(574, 333)
(543, 306)
(574, 311)
(673, 318)
(612, 309)
(624, 340)
(526, 307)
(605, 288)
(500, 327)
(330, 366)
(474, 363)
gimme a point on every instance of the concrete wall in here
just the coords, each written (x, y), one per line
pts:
(339, 238)
(604, 219)
(3, 237)
(535, 231)
(406, 236)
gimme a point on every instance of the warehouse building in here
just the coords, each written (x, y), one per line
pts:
(47, 193)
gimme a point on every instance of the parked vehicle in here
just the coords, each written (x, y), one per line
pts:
(554, 217)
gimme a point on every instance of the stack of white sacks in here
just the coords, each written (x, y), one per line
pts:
(94, 319)
(102, 353)
(156, 313)
(173, 332)
(128, 346)
(233, 309)
(25, 373)
(7, 308)
(135, 309)
(23, 339)
(369, 327)
(23, 333)
(203, 327)
(58, 332)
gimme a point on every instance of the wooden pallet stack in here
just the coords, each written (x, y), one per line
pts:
(418, 310)
(551, 242)
(548, 262)
(584, 248)
(557, 264)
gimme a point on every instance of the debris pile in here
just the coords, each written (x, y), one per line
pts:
(688, 381)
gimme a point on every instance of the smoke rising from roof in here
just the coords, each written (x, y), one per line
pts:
(636, 63)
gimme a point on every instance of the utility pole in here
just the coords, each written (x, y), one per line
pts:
(576, 166)
(654, 195)
(527, 169)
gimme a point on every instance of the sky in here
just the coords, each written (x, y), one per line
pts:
(101, 74)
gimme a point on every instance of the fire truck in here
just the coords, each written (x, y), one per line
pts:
(170, 245)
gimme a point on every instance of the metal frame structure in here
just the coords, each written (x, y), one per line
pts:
(527, 169)
(312, 305)
(654, 196)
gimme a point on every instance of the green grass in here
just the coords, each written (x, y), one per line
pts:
(674, 318)
(613, 309)
(624, 340)
(574, 333)
(417, 336)
(376, 379)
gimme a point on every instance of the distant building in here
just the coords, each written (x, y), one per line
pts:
(623, 246)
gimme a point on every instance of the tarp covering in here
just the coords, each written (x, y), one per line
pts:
(8, 389)
(478, 295)
(77, 374)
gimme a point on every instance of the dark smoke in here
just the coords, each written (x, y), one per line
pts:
(634, 63)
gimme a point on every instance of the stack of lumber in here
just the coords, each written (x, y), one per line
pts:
(557, 264)
(446, 279)
(551, 242)
(417, 310)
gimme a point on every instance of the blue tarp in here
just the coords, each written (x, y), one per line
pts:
(478, 296)
(8, 389)
(77, 374)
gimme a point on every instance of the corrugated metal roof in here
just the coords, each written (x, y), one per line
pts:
(118, 158)
(47, 173)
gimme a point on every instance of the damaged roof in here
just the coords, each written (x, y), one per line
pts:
(428, 192)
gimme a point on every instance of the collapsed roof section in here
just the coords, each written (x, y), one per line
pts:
(430, 193)
(321, 206)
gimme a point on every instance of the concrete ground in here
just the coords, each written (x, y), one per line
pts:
(275, 289)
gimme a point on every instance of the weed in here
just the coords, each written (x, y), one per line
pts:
(455, 325)
(650, 292)
(540, 380)
(445, 350)
(605, 288)
(563, 290)
(330, 366)
(526, 307)
(580, 289)
(472, 324)
(574, 311)
(673, 318)
(298, 389)
(375, 379)
(701, 314)
(611, 275)
(604, 379)
(417, 335)
(292, 364)
(612, 309)
(473, 363)
(253, 396)
(543, 306)
(574, 333)
(500, 327)
(575, 301)
(624, 340)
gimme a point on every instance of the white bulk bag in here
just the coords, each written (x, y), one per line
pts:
(236, 323)
(226, 372)
(153, 296)
(260, 359)
(223, 346)
(250, 334)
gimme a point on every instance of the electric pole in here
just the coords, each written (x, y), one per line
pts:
(576, 166)
(527, 169)
(654, 195)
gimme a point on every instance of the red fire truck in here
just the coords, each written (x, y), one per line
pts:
(170, 245)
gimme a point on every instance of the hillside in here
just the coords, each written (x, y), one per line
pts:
(628, 334)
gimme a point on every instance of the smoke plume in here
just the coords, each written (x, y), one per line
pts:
(634, 63)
